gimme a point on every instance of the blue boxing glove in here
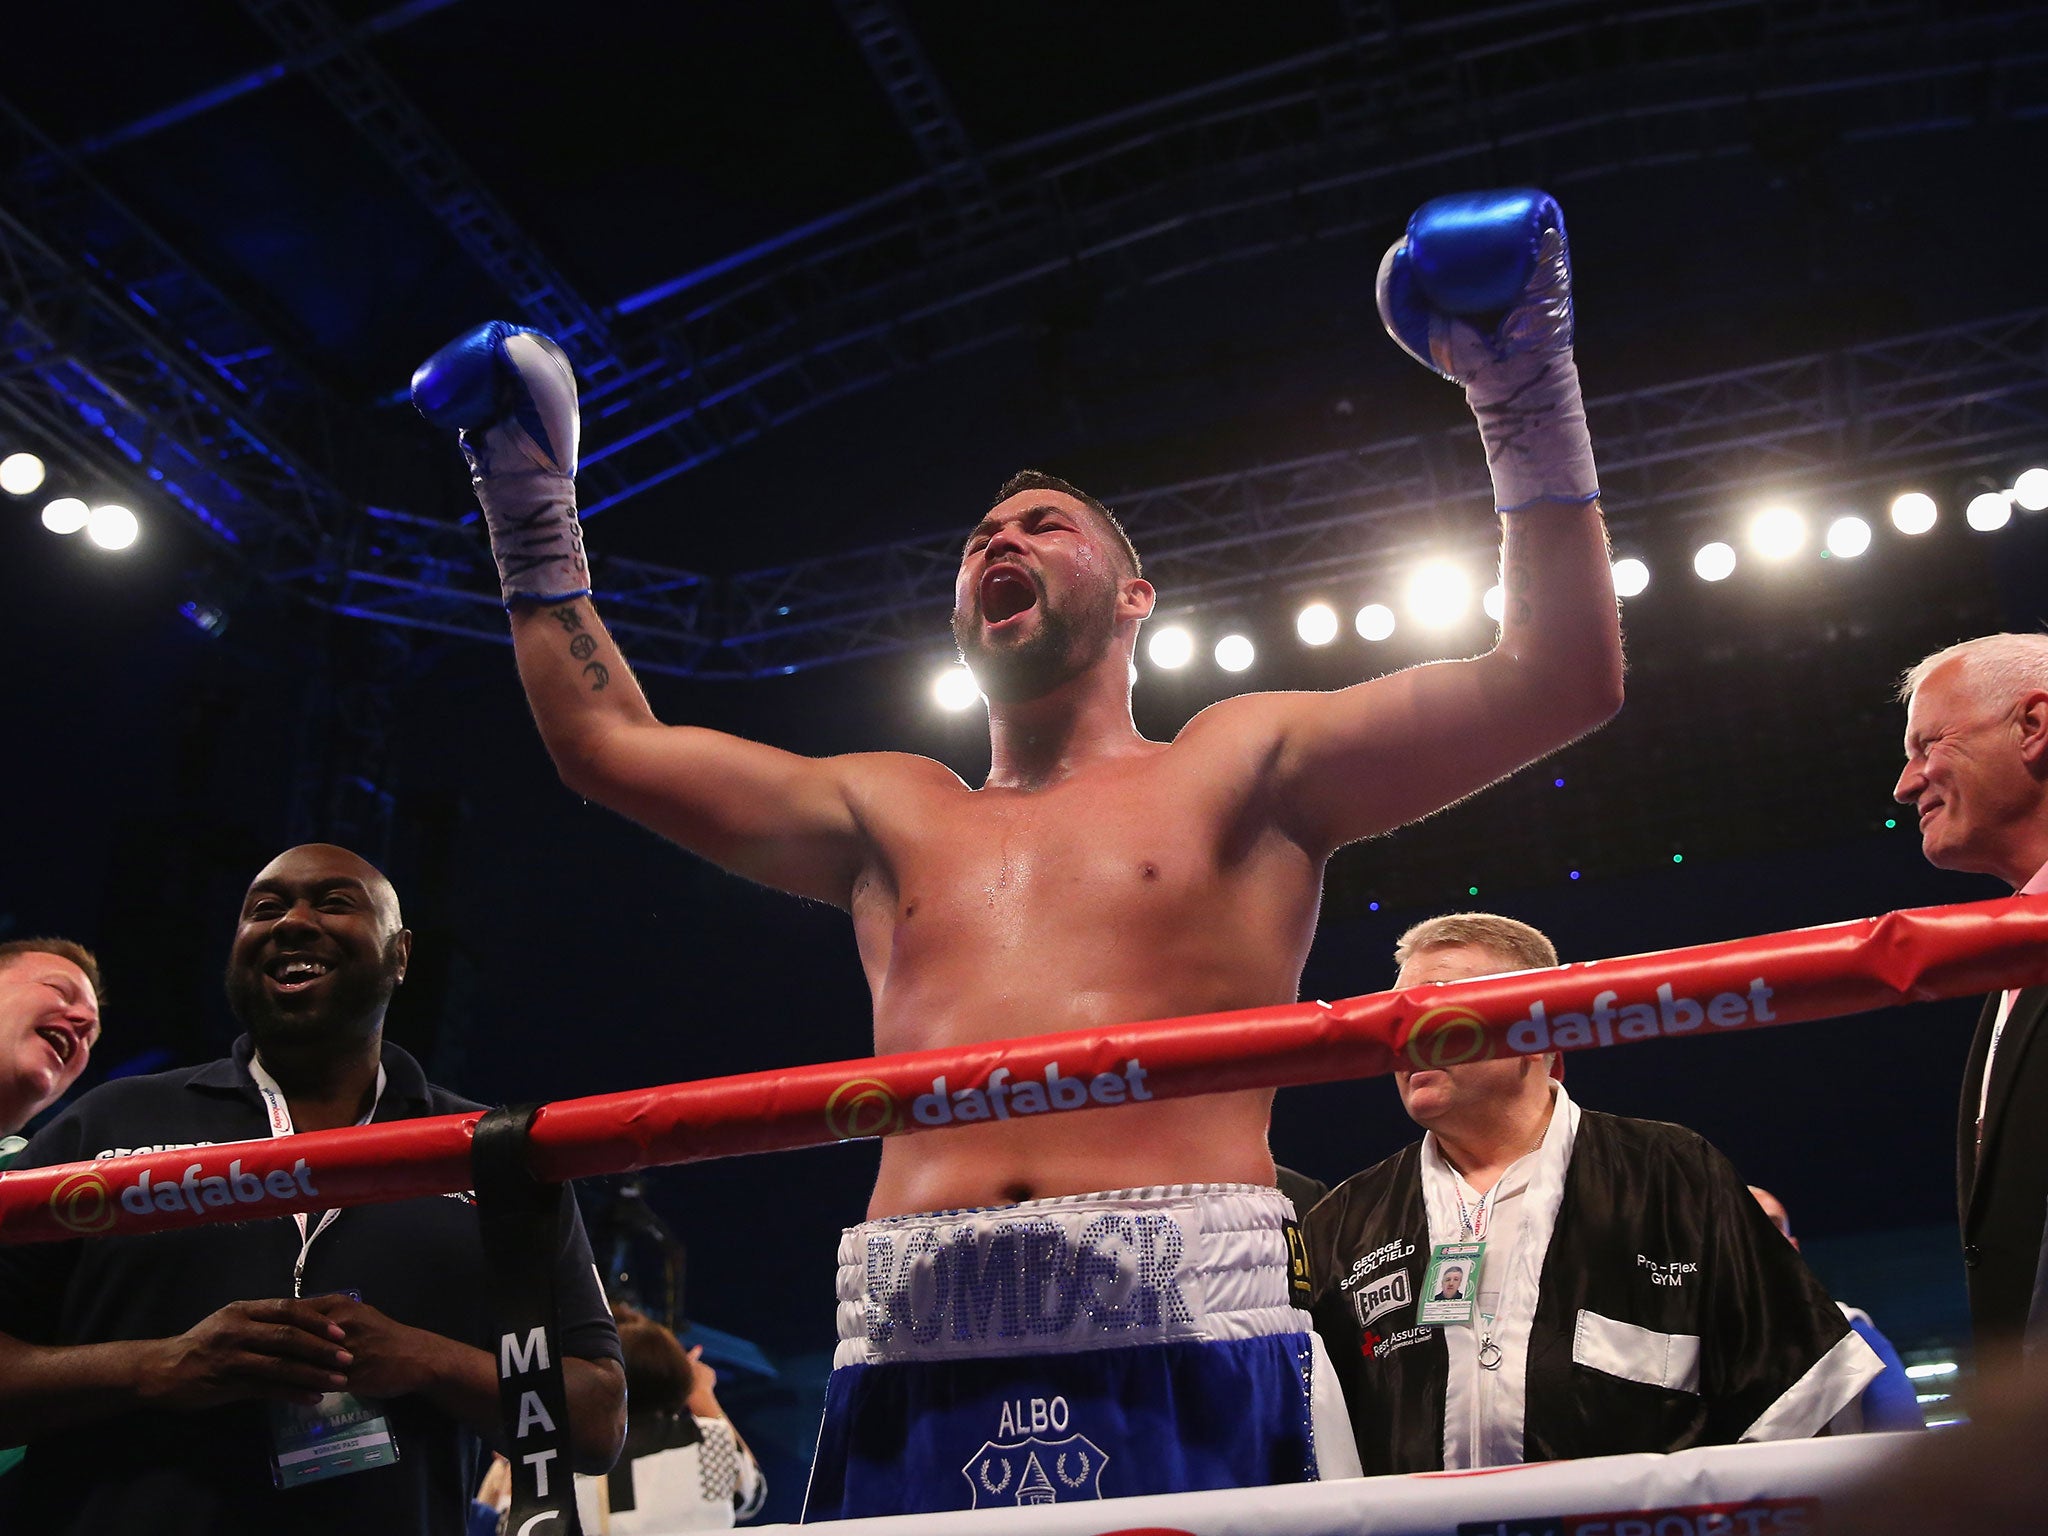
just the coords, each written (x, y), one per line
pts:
(1480, 290)
(511, 393)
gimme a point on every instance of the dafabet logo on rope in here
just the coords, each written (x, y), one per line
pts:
(1447, 1036)
(1451, 1034)
(1002, 1098)
(867, 1107)
(1604, 1023)
(84, 1202)
(862, 1108)
(81, 1202)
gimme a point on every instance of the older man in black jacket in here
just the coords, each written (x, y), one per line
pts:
(1617, 1288)
(1977, 775)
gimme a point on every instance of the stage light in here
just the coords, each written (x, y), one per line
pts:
(1375, 621)
(20, 474)
(1988, 511)
(1631, 577)
(1438, 595)
(1170, 647)
(1494, 602)
(1913, 512)
(112, 527)
(954, 688)
(1714, 562)
(67, 514)
(1233, 653)
(1932, 1370)
(1777, 533)
(1848, 537)
(1316, 624)
(2031, 490)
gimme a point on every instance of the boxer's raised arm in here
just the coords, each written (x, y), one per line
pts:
(1480, 292)
(1374, 756)
(770, 815)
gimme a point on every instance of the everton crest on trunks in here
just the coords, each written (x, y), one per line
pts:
(1032, 1469)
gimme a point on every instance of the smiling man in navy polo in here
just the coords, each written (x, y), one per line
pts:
(199, 1380)
(49, 1022)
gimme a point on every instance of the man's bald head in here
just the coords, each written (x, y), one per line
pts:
(319, 949)
(331, 860)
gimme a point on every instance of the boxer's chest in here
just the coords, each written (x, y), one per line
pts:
(1125, 844)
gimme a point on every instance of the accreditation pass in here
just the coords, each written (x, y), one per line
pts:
(339, 1434)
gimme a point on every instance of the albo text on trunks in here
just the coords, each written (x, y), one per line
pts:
(1028, 1096)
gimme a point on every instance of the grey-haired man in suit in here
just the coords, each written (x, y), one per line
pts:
(1977, 776)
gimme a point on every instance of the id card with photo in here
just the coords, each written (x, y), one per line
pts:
(1450, 1286)
(339, 1434)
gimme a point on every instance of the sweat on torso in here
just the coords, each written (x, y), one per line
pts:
(1144, 888)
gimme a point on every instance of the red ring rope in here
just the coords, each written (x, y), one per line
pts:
(1776, 978)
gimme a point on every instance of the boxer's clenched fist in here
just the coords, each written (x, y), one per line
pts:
(1480, 291)
(511, 393)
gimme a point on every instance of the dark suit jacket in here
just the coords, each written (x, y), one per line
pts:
(1300, 1188)
(2003, 1196)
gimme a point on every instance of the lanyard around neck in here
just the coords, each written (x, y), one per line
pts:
(1475, 1218)
(280, 1117)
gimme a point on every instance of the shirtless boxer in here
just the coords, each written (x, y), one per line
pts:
(1095, 877)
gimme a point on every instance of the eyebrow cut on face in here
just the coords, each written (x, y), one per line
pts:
(990, 523)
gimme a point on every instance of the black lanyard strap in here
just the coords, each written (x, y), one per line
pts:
(522, 1222)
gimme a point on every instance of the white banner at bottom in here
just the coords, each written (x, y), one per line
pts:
(1725, 1490)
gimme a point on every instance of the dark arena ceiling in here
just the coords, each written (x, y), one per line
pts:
(830, 272)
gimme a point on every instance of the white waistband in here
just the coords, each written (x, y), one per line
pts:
(1131, 1266)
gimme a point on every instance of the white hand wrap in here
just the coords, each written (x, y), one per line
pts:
(1532, 419)
(530, 509)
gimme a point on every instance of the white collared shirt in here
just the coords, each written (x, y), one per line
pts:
(1484, 1409)
(2033, 887)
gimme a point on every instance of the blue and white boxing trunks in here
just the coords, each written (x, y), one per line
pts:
(1086, 1347)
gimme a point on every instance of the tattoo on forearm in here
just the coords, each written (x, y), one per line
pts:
(1518, 591)
(582, 645)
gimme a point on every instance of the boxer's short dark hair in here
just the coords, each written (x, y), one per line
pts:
(1039, 480)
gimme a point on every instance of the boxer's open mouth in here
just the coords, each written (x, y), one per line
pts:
(1005, 593)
